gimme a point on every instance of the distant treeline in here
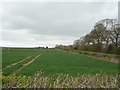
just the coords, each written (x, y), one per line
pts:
(104, 37)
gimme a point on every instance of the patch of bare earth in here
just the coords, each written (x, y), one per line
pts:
(24, 65)
(114, 60)
(17, 62)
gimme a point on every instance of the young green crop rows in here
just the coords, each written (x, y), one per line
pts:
(10, 56)
(14, 68)
(53, 61)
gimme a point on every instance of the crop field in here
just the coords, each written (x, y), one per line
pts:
(52, 61)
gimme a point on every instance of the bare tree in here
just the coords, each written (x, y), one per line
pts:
(115, 35)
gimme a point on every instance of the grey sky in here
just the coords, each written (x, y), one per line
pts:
(50, 23)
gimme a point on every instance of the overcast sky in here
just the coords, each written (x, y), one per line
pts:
(32, 24)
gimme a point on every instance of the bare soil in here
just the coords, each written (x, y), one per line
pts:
(24, 65)
(17, 62)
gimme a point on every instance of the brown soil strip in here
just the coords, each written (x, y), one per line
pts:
(31, 61)
(113, 60)
(24, 65)
(17, 62)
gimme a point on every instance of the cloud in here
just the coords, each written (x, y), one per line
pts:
(21, 38)
(52, 22)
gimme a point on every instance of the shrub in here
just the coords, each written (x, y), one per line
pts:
(61, 81)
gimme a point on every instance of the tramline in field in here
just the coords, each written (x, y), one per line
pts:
(53, 61)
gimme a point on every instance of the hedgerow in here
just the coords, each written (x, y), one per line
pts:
(61, 81)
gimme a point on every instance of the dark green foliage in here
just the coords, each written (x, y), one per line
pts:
(104, 37)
